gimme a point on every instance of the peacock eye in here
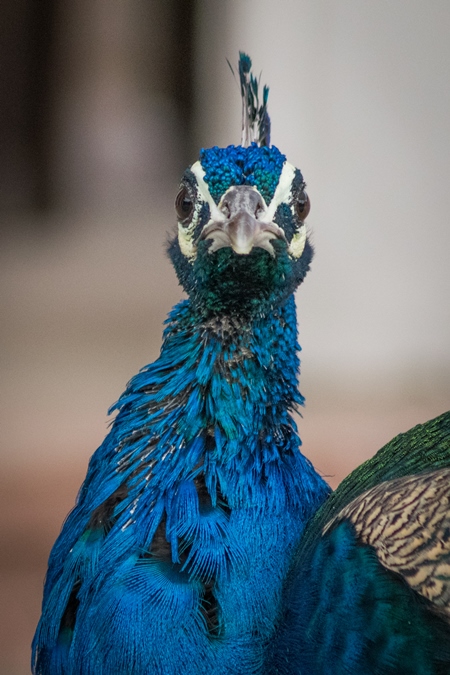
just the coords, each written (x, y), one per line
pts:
(184, 206)
(302, 205)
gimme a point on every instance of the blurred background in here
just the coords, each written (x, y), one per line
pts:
(103, 103)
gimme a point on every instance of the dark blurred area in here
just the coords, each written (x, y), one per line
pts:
(26, 45)
(62, 68)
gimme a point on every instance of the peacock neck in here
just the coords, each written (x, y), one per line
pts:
(243, 370)
(218, 401)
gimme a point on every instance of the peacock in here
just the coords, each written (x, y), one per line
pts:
(202, 539)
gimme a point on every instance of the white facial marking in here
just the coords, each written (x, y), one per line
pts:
(185, 238)
(298, 241)
(283, 193)
(186, 234)
(216, 215)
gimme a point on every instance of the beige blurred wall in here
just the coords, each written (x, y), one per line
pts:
(360, 102)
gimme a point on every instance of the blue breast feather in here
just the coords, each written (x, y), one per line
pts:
(173, 558)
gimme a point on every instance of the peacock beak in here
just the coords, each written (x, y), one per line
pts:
(240, 223)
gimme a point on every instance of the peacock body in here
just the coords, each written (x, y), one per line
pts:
(173, 559)
(202, 540)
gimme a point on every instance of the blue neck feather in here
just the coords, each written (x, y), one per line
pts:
(217, 402)
(199, 481)
(217, 405)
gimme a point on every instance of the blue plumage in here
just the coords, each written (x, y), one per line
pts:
(197, 495)
(237, 165)
(174, 556)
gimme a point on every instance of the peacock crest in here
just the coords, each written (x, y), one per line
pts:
(255, 118)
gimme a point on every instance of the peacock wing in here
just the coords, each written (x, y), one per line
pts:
(369, 590)
(407, 522)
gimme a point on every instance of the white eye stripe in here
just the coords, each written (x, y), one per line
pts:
(283, 193)
(205, 194)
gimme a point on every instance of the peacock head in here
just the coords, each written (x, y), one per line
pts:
(241, 244)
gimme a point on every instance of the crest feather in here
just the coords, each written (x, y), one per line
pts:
(255, 118)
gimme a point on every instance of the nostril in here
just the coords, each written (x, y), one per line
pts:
(226, 209)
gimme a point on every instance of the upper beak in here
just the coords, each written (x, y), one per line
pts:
(241, 223)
